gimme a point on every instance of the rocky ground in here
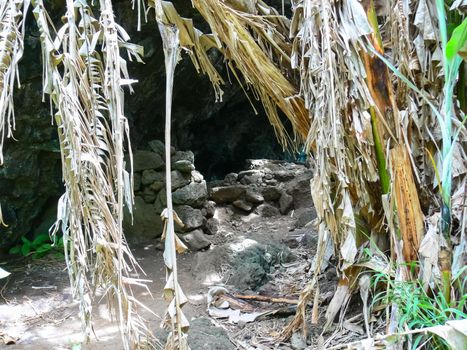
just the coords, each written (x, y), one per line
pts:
(251, 234)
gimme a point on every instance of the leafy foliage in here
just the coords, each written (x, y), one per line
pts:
(418, 308)
(41, 246)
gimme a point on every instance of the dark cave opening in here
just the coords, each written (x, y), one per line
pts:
(221, 134)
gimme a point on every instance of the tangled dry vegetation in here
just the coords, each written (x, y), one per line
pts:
(374, 91)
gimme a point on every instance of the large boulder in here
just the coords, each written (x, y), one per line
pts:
(196, 240)
(159, 147)
(161, 201)
(194, 194)
(150, 175)
(146, 221)
(184, 166)
(253, 197)
(271, 193)
(143, 160)
(212, 226)
(227, 194)
(183, 155)
(266, 210)
(243, 205)
(179, 179)
(285, 203)
(191, 218)
(149, 195)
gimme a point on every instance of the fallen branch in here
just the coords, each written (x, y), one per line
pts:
(269, 299)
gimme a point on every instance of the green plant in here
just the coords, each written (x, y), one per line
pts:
(39, 247)
(418, 308)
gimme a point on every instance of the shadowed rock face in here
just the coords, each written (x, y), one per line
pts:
(30, 178)
(221, 135)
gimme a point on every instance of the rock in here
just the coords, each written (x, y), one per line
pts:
(267, 210)
(179, 179)
(250, 177)
(305, 217)
(149, 195)
(136, 181)
(195, 240)
(331, 274)
(203, 334)
(156, 186)
(161, 202)
(252, 264)
(243, 205)
(285, 203)
(271, 193)
(183, 155)
(206, 265)
(212, 226)
(284, 175)
(193, 194)
(191, 218)
(210, 208)
(184, 166)
(146, 222)
(230, 178)
(253, 197)
(150, 175)
(250, 172)
(227, 194)
(159, 147)
(299, 189)
(297, 341)
(309, 239)
(49, 217)
(272, 182)
(25, 191)
(291, 242)
(143, 160)
(196, 176)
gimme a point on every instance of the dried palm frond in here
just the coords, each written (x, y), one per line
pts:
(370, 166)
(175, 321)
(193, 41)
(334, 88)
(84, 75)
(232, 28)
(11, 50)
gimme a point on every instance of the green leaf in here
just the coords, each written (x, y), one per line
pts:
(15, 250)
(25, 240)
(44, 248)
(40, 239)
(37, 255)
(457, 41)
(25, 249)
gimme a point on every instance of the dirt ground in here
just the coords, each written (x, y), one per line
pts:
(250, 254)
